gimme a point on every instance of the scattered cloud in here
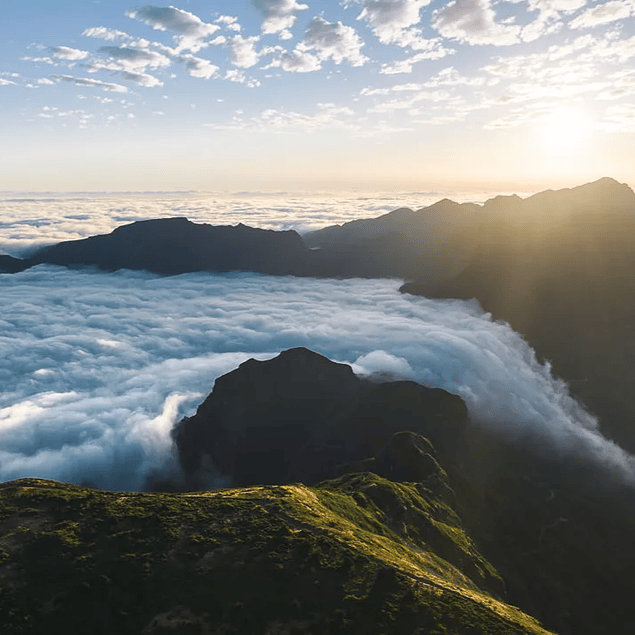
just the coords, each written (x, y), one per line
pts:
(474, 22)
(393, 21)
(604, 13)
(323, 41)
(191, 30)
(69, 54)
(198, 67)
(103, 33)
(243, 51)
(279, 15)
(92, 83)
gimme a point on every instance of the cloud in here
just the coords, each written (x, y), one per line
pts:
(323, 41)
(104, 33)
(243, 51)
(69, 54)
(333, 41)
(198, 67)
(393, 21)
(435, 52)
(474, 22)
(603, 13)
(272, 120)
(6, 82)
(278, 14)
(191, 29)
(92, 83)
(133, 59)
(95, 367)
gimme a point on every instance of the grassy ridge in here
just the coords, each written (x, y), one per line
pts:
(338, 558)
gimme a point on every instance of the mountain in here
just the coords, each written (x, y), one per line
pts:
(176, 245)
(8, 264)
(560, 268)
(431, 243)
(558, 531)
(356, 555)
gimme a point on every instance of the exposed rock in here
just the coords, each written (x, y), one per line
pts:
(300, 416)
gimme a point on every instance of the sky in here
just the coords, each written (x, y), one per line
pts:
(299, 95)
(96, 367)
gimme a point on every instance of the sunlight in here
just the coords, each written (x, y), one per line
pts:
(565, 130)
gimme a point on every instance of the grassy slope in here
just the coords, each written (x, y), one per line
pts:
(353, 555)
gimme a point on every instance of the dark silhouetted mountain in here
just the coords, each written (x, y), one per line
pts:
(8, 264)
(430, 243)
(301, 417)
(175, 245)
(560, 268)
(558, 531)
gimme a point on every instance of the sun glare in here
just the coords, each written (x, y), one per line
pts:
(565, 130)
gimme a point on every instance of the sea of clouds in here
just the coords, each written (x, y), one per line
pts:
(96, 368)
(32, 220)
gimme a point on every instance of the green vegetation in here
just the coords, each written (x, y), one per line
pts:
(358, 554)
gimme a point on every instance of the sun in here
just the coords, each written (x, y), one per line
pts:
(565, 130)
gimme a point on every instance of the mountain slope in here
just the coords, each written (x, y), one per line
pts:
(287, 559)
(560, 268)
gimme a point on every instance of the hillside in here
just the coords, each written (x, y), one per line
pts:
(286, 559)
(560, 268)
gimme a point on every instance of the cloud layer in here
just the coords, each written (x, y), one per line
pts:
(96, 368)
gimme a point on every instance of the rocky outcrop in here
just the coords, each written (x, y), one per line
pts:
(302, 417)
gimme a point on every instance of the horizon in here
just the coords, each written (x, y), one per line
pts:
(344, 96)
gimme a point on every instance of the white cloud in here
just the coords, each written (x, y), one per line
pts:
(97, 367)
(323, 41)
(230, 22)
(44, 81)
(393, 21)
(243, 51)
(299, 62)
(604, 13)
(131, 59)
(191, 29)
(143, 79)
(278, 14)
(333, 41)
(92, 83)
(6, 82)
(474, 22)
(103, 33)
(198, 67)
(69, 54)
(435, 52)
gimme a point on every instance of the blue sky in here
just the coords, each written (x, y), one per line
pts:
(296, 94)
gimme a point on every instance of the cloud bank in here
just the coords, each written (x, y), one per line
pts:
(96, 368)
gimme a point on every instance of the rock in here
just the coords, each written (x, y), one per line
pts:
(300, 417)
